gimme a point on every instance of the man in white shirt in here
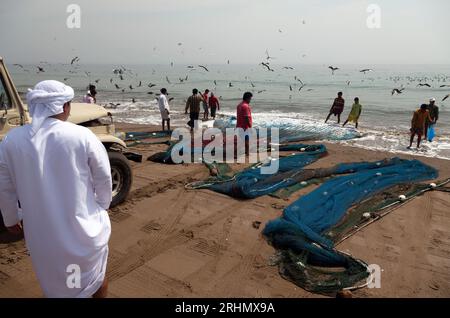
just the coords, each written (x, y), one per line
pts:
(164, 108)
(89, 98)
(60, 174)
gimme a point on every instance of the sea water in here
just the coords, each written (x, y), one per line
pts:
(277, 101)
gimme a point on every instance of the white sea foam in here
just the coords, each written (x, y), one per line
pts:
(397, 142)
(310, 127)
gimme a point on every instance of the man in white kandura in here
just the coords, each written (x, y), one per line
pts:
(60, 174)
(164, 108)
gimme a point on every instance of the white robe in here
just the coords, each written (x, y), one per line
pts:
(163, 105)
(62, 178)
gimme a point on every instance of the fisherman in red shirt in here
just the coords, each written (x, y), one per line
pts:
(244, 117)
(213, 105)
(244, 112)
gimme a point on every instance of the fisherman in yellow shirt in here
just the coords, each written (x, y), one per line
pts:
(354, 113)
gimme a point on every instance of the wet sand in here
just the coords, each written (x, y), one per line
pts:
(171, 242)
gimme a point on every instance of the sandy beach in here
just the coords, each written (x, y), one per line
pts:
(171, 242)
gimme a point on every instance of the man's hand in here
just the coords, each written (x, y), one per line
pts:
(15, 229)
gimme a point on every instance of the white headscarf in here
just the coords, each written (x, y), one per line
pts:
(47, 99)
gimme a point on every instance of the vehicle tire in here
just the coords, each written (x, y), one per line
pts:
(122, 177)
(2, 225)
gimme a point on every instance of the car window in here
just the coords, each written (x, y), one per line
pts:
(5, 101)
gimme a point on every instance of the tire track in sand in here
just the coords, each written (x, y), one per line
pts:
(163, 240)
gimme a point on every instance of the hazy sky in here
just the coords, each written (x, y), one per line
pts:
(213, 31)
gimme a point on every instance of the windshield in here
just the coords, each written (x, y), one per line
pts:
(5, 101)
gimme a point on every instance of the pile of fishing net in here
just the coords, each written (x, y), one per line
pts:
(309, 229)
(198, 149)
(350, 196)
(294, 130)
(253, 182)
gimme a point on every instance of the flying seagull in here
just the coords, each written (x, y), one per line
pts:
(140, 84)
(97, 80)
(230, 85)
(203, 67)
(366, 70)
(397, 90)
(297, 79)
(19, 65)
(290, 88)
(266, 65)
(215, 83)
(117, 86)
(288, 67)
(150, 85)
(332, 68)
(425, 84)
(40, 69)
(114, 105)
(75, 59)
(445, 97)
(167, 79)
(303, 85)
(444, 86)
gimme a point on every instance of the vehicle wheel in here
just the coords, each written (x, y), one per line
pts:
(2, 225)
(122, 177)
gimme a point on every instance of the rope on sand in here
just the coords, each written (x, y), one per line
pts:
(395, 205)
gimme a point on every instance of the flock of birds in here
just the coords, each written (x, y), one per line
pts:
(121, 73)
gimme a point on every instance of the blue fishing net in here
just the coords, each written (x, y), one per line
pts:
(301, 231)
(292, 130)
(252, 182)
